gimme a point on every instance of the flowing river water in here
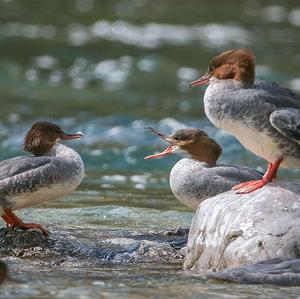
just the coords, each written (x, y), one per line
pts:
(108, 68)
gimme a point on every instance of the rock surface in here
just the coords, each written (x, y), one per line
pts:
(279, 271)
(61, 246)
(231, 230)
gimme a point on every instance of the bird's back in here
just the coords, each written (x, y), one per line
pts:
(192, 181)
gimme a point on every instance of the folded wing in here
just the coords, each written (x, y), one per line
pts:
(25, 174)
(287, 122)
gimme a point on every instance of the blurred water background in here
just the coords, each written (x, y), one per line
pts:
(108, 68)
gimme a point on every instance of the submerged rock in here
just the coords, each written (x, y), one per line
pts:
(125, 247)
(279, 271)
(231, 230)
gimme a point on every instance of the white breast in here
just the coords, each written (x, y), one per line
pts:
(44, 194)
(258, 142)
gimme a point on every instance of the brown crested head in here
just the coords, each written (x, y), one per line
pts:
(42, 136)
(236, 64)
(193, 142)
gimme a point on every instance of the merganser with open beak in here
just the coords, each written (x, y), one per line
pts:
(263, 116)
(53, 171)
(197, 177)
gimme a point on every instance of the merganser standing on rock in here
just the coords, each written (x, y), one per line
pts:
(263, 116)
(54, 170)
(198, 177)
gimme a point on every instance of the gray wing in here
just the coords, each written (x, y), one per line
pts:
(26, 174)
(223, 177)
(14, 166)
(277, 95)
(285, 115)
(237, 174)
(287, 122)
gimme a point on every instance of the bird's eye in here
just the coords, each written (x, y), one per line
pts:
(211, 68)
(181, 137)
(177, 137)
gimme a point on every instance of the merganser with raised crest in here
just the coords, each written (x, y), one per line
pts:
(197, 177)
(53, 171)
(263, 116)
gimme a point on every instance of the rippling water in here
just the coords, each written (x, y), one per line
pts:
(108, 68)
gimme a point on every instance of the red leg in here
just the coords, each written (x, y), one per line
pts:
(13, 220)
(270, 166)
(269, 176)
(249, 183)
(8, 221)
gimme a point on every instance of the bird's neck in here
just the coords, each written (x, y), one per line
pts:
(61, 151)
(207, 152)
(207, 161)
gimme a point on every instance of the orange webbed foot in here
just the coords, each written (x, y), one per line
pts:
(13, 220)
(250, 186)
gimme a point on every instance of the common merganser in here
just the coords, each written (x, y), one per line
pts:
(263, 116)
(197, 177)
(54, 170)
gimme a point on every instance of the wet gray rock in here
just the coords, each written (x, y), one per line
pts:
(231, 230)
(279, 271)
(59, 247)
(32, 243)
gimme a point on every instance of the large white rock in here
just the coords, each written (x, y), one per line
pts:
(230, 230)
